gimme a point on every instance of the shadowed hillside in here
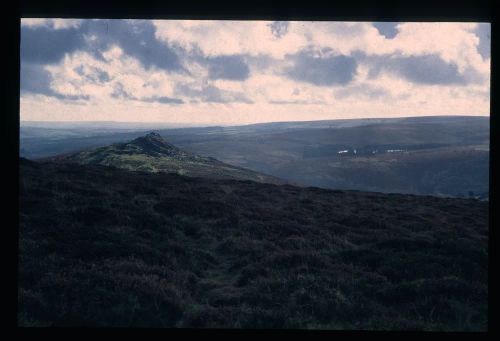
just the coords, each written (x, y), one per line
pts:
(102, 246)
(151, 153)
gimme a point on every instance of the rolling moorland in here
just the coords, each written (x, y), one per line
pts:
(446, 157)
(435, 155)
(104, 246)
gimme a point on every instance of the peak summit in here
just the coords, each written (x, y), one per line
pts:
(153, 144)
(151, 137)
(153, 134)
(151, 153)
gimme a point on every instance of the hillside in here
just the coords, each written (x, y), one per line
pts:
(460, 171)
(435, 155)
(103, 246)
(151, 153)
(447, 157)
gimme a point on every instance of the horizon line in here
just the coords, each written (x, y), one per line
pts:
(232, 124)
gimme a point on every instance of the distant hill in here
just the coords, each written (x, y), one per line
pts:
(103, 246)
(433, 155)
(442, 156)
(54, 138)
(151, 153)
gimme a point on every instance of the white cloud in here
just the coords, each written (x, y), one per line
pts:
(54, 23)
(267, 94)
(119, 68)
(231, 37)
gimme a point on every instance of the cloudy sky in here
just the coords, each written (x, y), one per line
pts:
(238, 72)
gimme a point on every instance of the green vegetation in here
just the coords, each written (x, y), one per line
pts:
(151, 153)
(103, 246)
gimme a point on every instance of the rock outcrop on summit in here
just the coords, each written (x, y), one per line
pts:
(151, 153)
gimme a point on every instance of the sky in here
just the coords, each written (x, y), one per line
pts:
(202, 72)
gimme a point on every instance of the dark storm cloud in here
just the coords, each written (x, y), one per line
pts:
(212, 94)
(387, 29)
(93, 74)
(260, 62)
(279, 28)
(483, 32)
(231, 67)
(215, 95)
(102, 76)
(163, 100)
(36, 80)
(71, 97)
(45, 45)
(322, 71)
(428, 69)
(136, 38)
(119, 92)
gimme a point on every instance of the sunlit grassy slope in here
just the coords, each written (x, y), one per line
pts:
(151, 153)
